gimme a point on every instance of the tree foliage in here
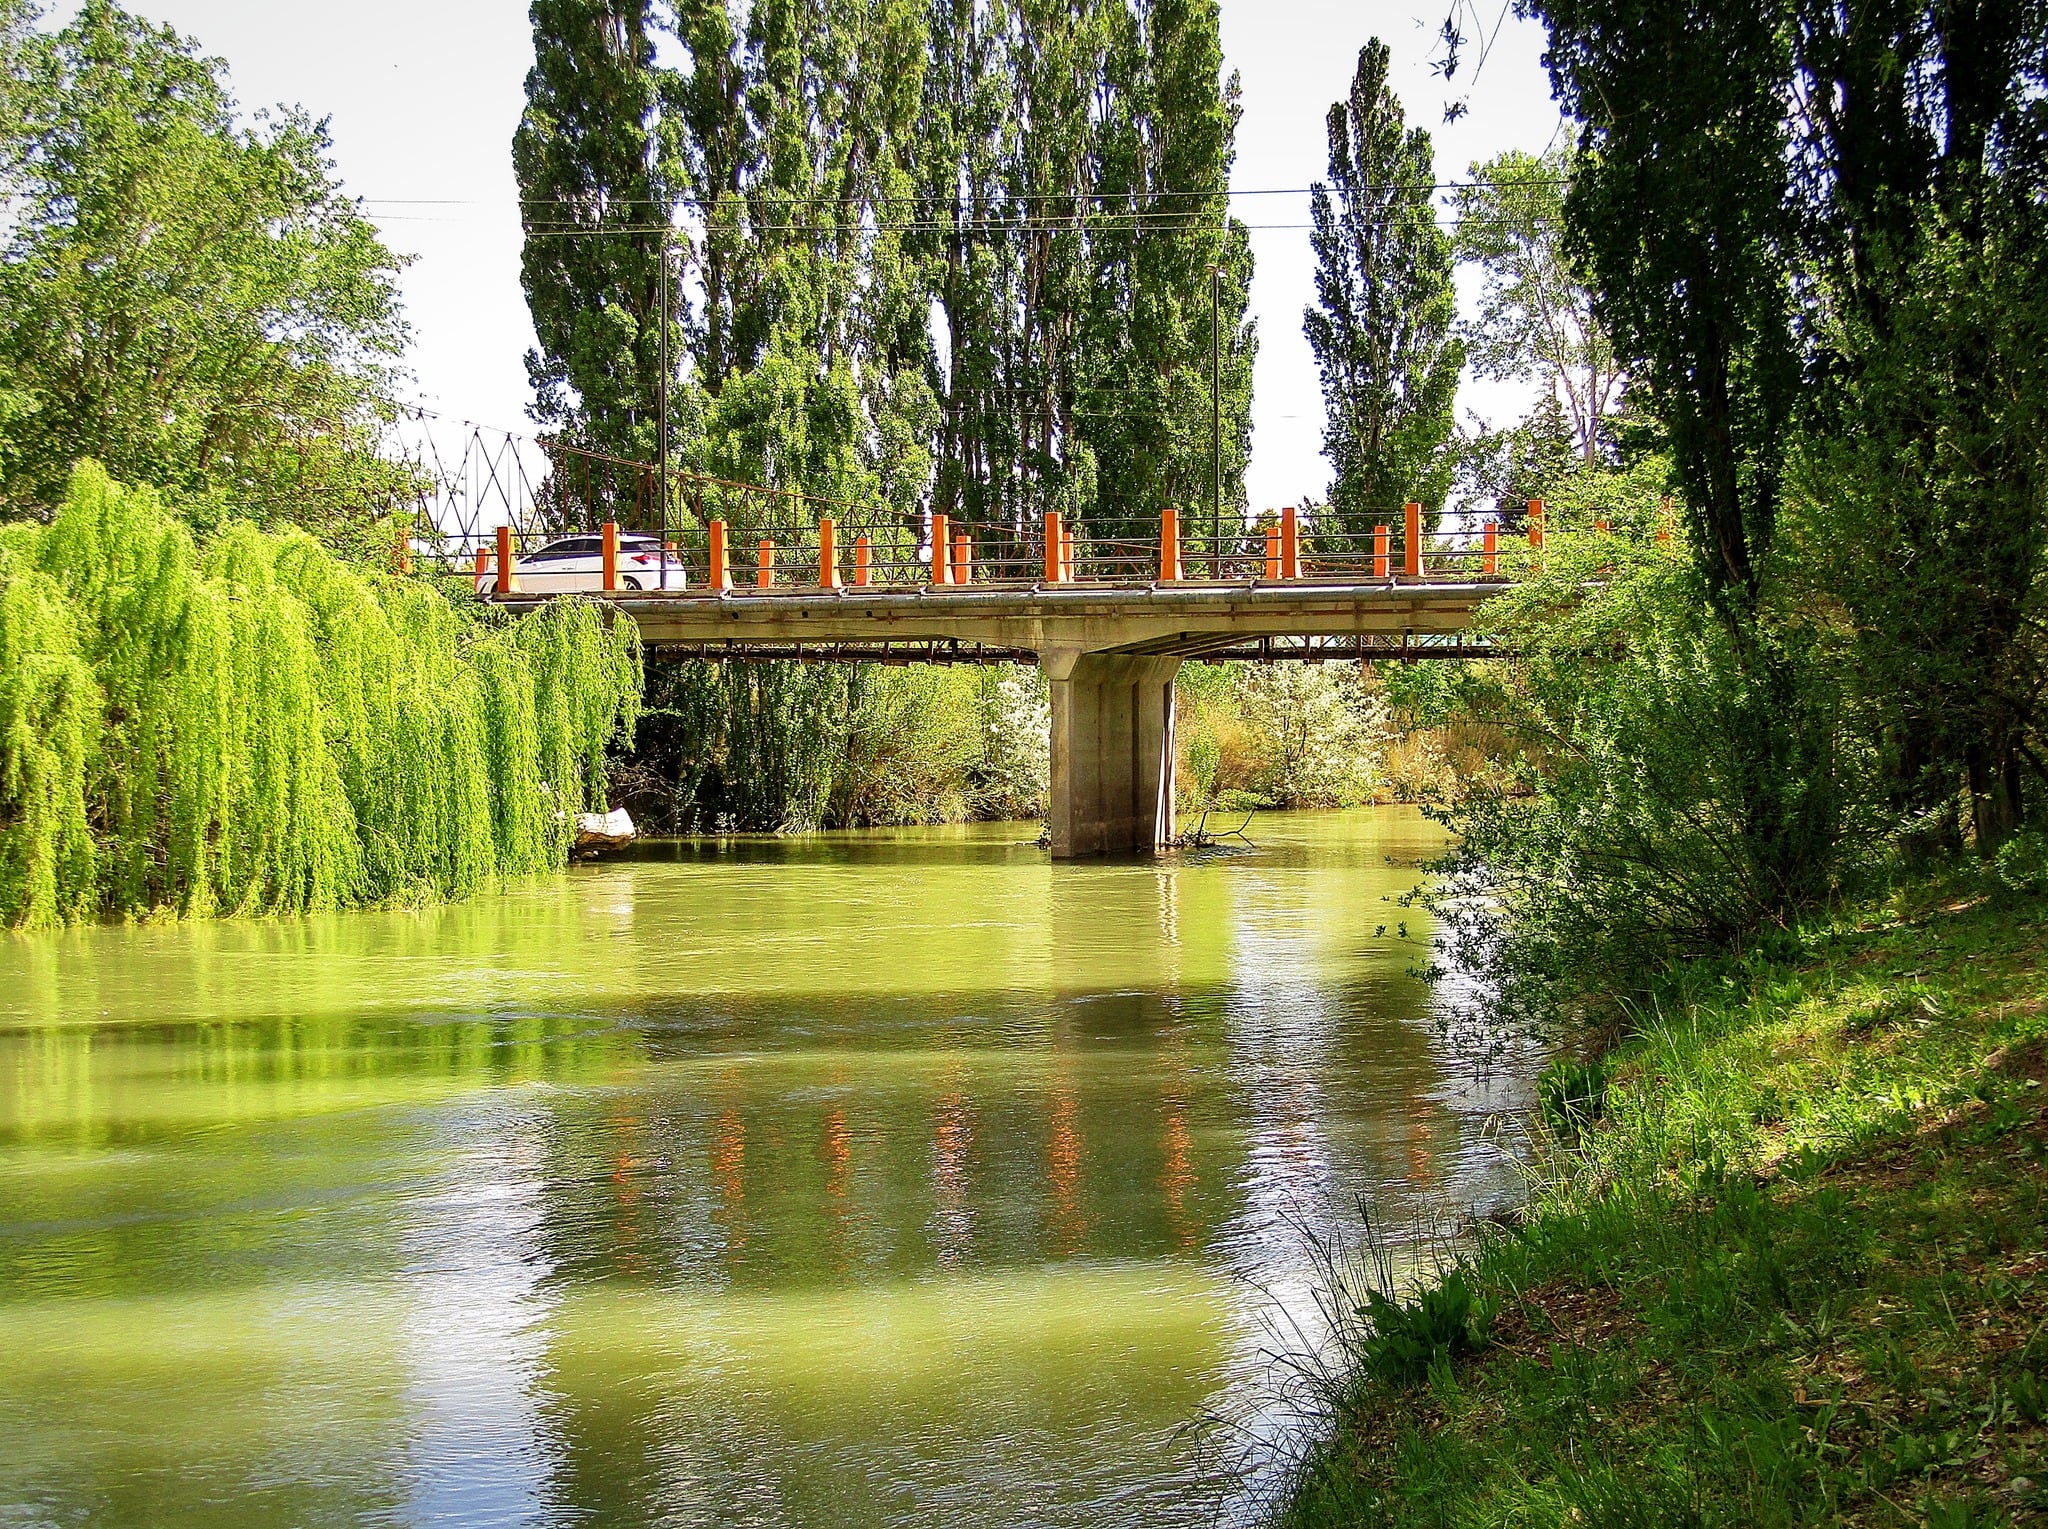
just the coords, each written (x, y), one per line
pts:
(258, 725)
(1383, 327)
(190, 300)
(929, 257)
(594, 188)
(1834, 315)
(1535, 321)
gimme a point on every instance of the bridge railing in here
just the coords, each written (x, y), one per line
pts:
(786, 548)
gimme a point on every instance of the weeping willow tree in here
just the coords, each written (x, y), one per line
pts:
(260, 726)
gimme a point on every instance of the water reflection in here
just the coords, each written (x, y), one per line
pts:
(877, 1179)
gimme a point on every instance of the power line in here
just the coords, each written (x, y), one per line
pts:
(753, 198)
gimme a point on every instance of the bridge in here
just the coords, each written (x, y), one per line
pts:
(1109, 636)
(743, 572)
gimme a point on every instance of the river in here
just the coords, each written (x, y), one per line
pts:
(884, 1178)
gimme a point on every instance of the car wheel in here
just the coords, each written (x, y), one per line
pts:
(630, 583)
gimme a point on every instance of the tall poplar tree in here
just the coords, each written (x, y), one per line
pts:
(1168, 134)
(596, 196)
(1382, 330)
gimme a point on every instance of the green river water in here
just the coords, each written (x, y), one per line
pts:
(884, 1178)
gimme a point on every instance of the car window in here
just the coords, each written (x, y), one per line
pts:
(569, 546)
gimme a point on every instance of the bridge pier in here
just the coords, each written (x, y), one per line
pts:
(1112, 752)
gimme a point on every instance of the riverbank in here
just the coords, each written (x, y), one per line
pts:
(1785, 1261)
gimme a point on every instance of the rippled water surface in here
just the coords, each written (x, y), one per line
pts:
(894, 1178)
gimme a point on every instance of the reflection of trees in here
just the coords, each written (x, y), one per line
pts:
(189, 1130)
(1089, 1135)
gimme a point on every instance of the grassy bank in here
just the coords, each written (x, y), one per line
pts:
(1785, 1261)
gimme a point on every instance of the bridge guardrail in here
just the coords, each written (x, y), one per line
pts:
(881, 551)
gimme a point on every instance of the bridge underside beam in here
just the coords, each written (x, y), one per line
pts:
(1400, 646)
(1112, 753)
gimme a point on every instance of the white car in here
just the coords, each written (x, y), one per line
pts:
(577, 563)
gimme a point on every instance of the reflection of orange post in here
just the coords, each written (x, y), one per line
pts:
(1489, 551)
(1272, 552)
(483, 567)
(939, 545)
(1411, 557)
(863, 556)
(1169, 543)
(764, 565)
(1535, 522)
(1067, 556)
(1382, 563)
(611, 555)
(1290, 544)
(721, 567)
(828, 554)
(1053, 549)
(508, 572)
(963, 558)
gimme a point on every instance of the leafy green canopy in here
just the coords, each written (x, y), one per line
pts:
(1535, 320)
(191, 302)
(1840, 311)
(1382, 327)
(932, 256)
(592, 189)
(260, 726)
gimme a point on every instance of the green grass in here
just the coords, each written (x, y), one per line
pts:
(1789, 1267)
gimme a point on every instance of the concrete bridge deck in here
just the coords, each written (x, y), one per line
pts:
(1181, 620)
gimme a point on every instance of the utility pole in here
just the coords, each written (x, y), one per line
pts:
(661, 424)
(661, 394)
(1216, 417)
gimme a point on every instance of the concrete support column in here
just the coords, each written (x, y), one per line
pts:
(1112, 752)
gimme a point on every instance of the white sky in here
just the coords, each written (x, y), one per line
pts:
(423, 96)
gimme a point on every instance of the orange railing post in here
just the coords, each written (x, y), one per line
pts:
(1067, 556)
(1382, 563)
(828, 554)
(508, 565)
(1664, 519)
(1603, 526)
(1053, 559)
(764, 565)
(483, 567)
(401, 547)
(1272, 552)
(941, 554)
(1489, 550)
(1290, 544)
(1411, 555)
(611, 555)
(1169, 544)
(963, 558)
(863, 557)
(721, 566)
(1535, 523)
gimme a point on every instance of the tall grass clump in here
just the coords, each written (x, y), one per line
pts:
(259, 726)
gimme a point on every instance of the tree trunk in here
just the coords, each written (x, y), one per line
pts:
(1995, 800)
